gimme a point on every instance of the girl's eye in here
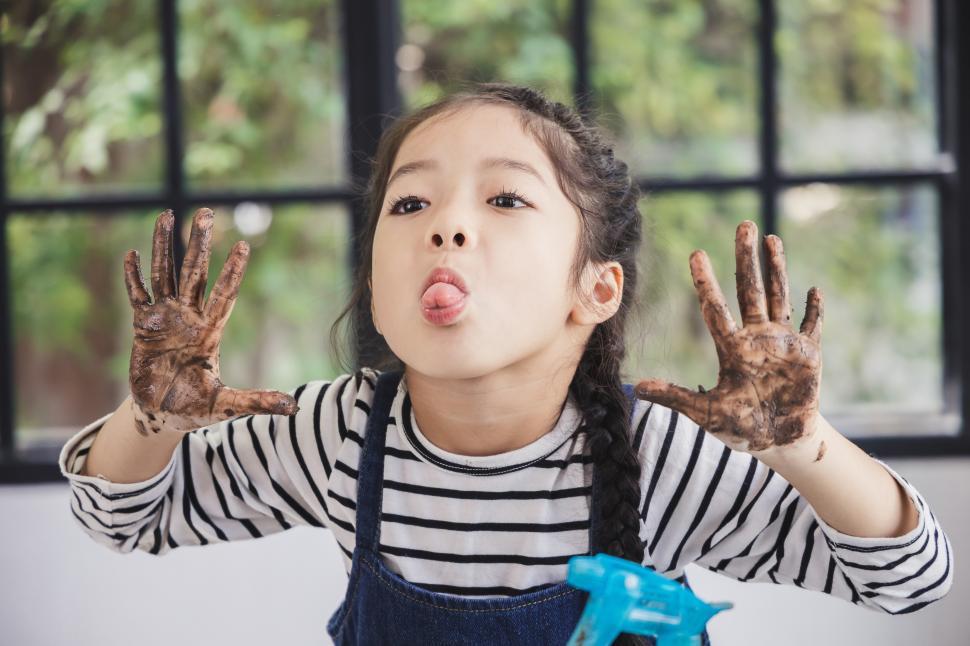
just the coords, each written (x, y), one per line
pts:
(409, 199)
(512, 197)
(509, 197)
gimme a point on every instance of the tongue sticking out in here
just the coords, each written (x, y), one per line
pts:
(441, 295)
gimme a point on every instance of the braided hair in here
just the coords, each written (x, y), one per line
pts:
(600, 187)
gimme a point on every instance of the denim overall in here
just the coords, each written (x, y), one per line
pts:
(381, 607)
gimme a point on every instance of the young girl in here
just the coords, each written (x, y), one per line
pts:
(495, 438)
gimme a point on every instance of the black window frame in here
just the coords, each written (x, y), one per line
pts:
(370, 36)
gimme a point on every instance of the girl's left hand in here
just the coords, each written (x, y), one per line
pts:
(768, 381)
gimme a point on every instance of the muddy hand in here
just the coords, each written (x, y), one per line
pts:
(769, 375)
(174, 369)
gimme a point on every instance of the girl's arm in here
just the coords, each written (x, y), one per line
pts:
(732, 513)
(754, 524)
(238, 479)
(121, 455)
(144, 494)
(850, 489)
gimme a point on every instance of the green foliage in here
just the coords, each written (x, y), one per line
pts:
(483, 40)
(675, 342)
(57, 300)
(681, 78)
(295, 284)
(101, 106)
(857, 84)
(262, 91)
(874, 253)
(676, 82)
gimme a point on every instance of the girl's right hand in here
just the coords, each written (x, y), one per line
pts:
(174, 369)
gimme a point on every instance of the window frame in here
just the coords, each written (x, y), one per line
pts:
(370, 36)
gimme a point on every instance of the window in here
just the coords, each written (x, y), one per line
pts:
(115, 111)
(832, 125)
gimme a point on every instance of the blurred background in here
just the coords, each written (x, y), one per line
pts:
(833, 124)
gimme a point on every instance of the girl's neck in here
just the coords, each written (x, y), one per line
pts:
(475, 418)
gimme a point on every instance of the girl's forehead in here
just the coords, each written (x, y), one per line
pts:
(473, 115)
(479, 131)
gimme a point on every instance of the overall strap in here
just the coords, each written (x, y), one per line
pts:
(597, 493)
(370, 477)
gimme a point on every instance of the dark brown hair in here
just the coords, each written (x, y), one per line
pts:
(599, 186)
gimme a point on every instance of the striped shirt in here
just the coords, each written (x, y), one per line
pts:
(503, 524)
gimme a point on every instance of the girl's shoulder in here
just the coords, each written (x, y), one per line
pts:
(340, 398)
(334, 410)
(662, 433)
(360, 383)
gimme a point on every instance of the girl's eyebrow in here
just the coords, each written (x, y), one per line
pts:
(488, 162)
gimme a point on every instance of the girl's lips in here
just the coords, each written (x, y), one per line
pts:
(444, 315)
(441, 294)
(446, 275)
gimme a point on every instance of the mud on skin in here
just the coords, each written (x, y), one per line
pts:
(769, 375)
(174, 368)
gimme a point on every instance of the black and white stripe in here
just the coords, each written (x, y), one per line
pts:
(498, 525)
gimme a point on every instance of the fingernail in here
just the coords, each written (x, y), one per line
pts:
(291, 406)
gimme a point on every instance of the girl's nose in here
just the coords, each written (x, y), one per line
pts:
(458, 237)
(451, 224)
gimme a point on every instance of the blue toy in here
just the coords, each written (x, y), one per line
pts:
(627, 598)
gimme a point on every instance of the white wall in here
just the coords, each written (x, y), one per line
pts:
(57, 586)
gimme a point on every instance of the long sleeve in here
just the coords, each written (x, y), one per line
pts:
(243, 478)
(730, 513)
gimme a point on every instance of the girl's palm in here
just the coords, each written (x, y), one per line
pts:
(174, 370)
(768, 381)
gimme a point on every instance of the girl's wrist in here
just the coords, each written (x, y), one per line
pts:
(149, 423)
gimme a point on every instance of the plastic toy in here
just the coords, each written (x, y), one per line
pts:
(628, 598)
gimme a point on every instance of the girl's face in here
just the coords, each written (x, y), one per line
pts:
(457, 175)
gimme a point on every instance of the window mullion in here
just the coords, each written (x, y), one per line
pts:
(172, 107)
(6, 311)
(371, 32)
(953, 96)
(768, 104)
(579, 39)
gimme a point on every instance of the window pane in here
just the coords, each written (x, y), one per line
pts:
(681, 80)
(857, 85)
(676, 343)
(445, 43)
(875, 253)
(72, 318)
(81, 98)
(263, 92)
(296, 283)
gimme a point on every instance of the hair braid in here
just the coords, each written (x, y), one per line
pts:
(612, 450)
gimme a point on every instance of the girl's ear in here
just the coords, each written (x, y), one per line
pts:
(602, 293)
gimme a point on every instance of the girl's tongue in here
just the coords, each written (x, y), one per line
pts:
(441, 295)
